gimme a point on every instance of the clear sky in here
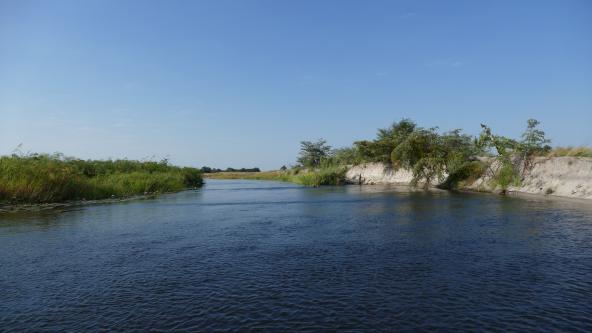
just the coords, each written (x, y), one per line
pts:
(240, 83)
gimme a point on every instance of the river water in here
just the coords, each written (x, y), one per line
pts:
(266, 256)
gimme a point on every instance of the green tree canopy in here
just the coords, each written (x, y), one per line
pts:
(313, 153)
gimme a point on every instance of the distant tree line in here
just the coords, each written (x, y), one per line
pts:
(206, 169)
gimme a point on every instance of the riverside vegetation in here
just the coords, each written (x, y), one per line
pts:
(43, 178)
(450, 159)
(324, 175)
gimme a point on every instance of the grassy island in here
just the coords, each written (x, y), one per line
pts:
(43, 178)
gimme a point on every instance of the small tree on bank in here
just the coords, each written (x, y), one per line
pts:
(533, 141)
(515, 157)
(313, 153)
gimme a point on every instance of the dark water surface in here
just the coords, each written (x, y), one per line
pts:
(266, 256)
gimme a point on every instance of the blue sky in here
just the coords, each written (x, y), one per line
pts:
(240, 83)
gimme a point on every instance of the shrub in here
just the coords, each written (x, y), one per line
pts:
(507, 176)
(514, 156)
(334, 175)
(431, 155)
(387, 140)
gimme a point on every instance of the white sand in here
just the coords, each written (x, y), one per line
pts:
(556, 176)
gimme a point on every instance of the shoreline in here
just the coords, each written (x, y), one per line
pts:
(8, 208)
(565, 178)
(42, 207)
(561, 177)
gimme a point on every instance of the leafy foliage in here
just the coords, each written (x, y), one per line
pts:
(447, 158)
(514, 157)
(346, 156)
(431, 155)
(313, 153)
(533, 141)
(387, 139)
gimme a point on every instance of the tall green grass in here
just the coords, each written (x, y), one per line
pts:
(42, 178)
(331, 175)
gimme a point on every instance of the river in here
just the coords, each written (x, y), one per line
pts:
(256, 256)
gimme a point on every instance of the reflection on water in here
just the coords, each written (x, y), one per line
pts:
(251, 255)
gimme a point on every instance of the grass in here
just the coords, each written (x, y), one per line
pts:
(581, 151)
(507, 176)
(334, 175)
(42, 178)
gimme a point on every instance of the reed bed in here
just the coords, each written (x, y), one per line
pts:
(43, 178)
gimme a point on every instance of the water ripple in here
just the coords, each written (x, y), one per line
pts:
(300, 260)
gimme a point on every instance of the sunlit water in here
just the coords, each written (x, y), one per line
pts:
(266, 256)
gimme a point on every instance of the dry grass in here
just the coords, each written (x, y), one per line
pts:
(263, 175)
(581, 151)
(333, 175)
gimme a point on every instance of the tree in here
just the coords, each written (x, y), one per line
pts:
(313, 153)
(511, 154)
(507, 172)
(346, 156)
(387, 140)
(431, 155)
(503, 146)
(533, 140)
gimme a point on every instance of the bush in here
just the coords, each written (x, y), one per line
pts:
(467, 173)
(192, 177)
(514, 156)
(431, 155)
(346, 156)
(507, 176)
(334, 175)
(387, 140)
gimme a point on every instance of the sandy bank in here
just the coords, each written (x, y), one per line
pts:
(569, 177)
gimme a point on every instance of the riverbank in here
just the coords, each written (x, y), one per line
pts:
(569, 177)
(50, 179)
(565, 176)
(38, 207)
